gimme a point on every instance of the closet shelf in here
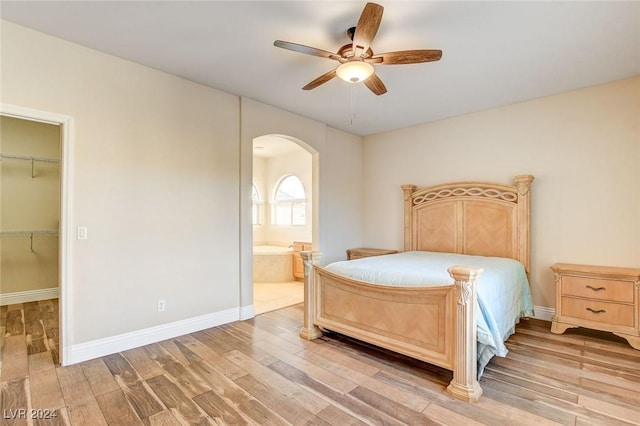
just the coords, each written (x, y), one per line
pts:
(29, 234)
(31, 158)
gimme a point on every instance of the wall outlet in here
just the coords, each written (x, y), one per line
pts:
(161, 305)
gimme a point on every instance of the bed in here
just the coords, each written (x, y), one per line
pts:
(464, 228)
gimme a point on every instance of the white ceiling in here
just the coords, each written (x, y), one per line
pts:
(494, 53)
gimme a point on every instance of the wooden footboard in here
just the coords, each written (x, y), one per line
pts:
(434, 324)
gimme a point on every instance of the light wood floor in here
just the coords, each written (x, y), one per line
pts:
(260, 372)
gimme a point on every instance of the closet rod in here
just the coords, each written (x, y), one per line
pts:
(28, 158)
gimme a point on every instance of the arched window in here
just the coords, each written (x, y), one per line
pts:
(289, 202)
(256, 205)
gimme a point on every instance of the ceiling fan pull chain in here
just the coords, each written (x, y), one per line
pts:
(352, 102)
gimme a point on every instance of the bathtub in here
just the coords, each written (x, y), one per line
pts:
(272, 264)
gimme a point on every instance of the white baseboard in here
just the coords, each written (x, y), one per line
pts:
(543, 313)
(28, 296)
(247, 312)
(110, 345)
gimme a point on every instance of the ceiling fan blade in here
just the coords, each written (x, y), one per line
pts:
(300, 48)
(408, 57)
(375, 85)
(367, 28)
(320, 80)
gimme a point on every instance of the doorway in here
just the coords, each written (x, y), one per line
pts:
(282, 213)
(34, 176)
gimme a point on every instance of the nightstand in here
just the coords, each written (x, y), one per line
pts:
(598, 297)
(358, 253)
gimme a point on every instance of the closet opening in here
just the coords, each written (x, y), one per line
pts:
(29, 230)
(32, 245)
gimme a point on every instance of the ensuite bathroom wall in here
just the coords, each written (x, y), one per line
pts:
(274, 257)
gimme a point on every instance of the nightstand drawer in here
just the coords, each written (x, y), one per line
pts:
(604, 312)
(601, 289)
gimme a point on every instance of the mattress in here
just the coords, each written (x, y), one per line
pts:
(503, 290)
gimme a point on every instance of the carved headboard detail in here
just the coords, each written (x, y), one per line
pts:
(475, 218)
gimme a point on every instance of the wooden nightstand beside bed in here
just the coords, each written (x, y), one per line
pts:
(598, 297)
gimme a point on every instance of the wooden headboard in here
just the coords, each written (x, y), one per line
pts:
(474, 218)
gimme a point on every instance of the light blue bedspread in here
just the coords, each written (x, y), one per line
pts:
(503, 289)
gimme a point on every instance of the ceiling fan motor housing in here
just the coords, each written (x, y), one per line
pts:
(357, 59)
(350, 32)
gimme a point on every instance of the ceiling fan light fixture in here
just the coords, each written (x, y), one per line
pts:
(354, 71)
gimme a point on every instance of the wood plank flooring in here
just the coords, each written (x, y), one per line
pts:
(260, 372)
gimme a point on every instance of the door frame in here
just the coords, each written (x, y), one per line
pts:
(65, 232)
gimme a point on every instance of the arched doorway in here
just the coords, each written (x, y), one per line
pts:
(282, 220)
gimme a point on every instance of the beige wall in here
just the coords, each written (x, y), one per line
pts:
(583, 148)
(267, 172)
(155, 181)
(292, 163)
(259, 178)
(343, 186)
(161, 177)
(29, 204)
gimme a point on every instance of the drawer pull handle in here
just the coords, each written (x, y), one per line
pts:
(599, 311)
(596, 288)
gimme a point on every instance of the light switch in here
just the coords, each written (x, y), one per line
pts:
(82, 233)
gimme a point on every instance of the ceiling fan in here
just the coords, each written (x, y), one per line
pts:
(357, 59)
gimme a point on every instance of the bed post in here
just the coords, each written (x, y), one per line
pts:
(408, 204)
(523, 182)
(464, 385)
(309, 331)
